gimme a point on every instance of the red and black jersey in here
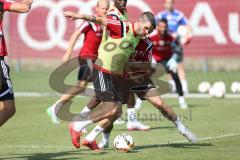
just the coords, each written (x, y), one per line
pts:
(143, 51)
(92, 39)
(4, 6)
(162, 49)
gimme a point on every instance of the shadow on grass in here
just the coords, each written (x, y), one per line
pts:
(56, 156)
(175, 145)
(189, 105)
(152, 128)
(197, 105)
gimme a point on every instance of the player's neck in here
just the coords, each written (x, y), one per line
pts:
(170, 10)
(135, 27)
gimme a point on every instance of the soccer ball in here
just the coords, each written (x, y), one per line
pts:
(204, 87)
(123, 143)
(218, 90)
(235, 87)
(221, 85)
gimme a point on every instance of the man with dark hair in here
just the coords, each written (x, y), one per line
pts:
(175, 20)
(165, 53)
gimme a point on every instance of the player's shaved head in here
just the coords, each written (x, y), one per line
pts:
(145, 24)
(106, 2)
(168, 4)
(102, 7)
(150, 17)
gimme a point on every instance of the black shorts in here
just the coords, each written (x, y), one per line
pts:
(106, 86)
(178, 48)
(6, 88)
(143, 87)
(85, 70)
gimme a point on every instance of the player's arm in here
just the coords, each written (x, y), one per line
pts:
(22, 7)
(188, 36)
(92, 18)
(83, 29)
(186, 39)
(71, 44)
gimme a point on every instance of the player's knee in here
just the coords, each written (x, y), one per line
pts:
(10, 110)
(157, 102)
(13, 111)
(82, 84)
(116, 113)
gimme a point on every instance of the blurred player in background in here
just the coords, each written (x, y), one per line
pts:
(176, 20)
(164, 53)
(7, 102)
(92, 38)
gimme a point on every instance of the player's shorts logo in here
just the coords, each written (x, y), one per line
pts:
(56, 32)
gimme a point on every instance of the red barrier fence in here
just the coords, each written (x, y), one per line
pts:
(44, 31)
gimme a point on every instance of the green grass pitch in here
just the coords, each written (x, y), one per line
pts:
(30, 135)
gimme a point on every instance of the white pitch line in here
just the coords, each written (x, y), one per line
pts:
(192, 95)
(206, 138)
(175, 142)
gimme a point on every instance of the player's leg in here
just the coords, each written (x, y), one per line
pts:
(105, 111)
(105, 137)
(172, 83)
(7, 103)
(83, 76)
(110, 106)
(93, 103)
(105, 126)
(182, 76)
(75, 135)
(178, 48)
(181, 98)
(7, 110)
(68, 95)
(133, 123)
(168, 112)
(138, 104)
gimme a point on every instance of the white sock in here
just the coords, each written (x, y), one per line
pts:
(138, 104)
(85, 109)
(172, 83)
(94, 133)
(131, 115)
(181, 100)
(105, 138)
(179, 125)
(184, 86)
(79, 125)
(57, 104)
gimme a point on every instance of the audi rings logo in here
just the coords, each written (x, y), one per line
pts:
(55, 12)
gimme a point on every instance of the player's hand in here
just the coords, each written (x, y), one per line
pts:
(72, 15)
(185, 39)
(66, 57)
(172, 65)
